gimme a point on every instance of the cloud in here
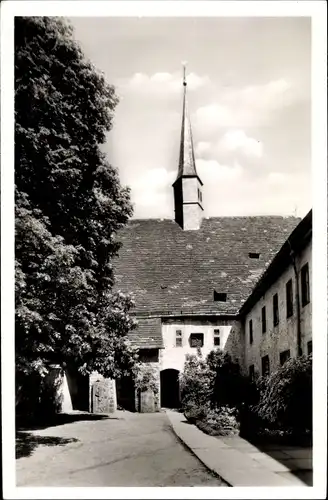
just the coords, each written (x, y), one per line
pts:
(151, 191)
(234, 143)
(203, 147)
(162, 82)
(211, 171)
(153, 179)
(277, 178)
(244, 107)
(237, 194)
(238, 140)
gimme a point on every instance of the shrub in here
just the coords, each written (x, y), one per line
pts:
(219, 422)
(196, 382)
(146, 378)
(194, 412)
(286, 397)
(229, 385)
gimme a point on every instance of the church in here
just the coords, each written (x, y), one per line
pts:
(241, 284)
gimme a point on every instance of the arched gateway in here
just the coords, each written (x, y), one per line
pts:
(170, 388)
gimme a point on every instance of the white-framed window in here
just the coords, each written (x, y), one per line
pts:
(216, 337)
(178, 338)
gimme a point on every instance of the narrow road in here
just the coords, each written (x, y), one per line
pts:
(130, 450)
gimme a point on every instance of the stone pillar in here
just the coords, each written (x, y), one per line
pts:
(102, 394)
(147, 402)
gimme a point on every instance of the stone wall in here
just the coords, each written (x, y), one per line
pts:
(282, 337)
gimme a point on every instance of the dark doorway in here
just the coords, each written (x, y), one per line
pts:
(125, 392)
(170, 390)
(78, 386)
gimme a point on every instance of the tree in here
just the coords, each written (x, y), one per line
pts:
(69, 208)
(230, 387)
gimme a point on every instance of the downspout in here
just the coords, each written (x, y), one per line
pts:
(298, 306)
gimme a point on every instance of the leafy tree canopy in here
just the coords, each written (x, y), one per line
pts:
(69, 208)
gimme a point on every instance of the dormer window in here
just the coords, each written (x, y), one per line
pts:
(254, 255)
(219, 296)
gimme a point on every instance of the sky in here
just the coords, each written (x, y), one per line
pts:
(249, 98)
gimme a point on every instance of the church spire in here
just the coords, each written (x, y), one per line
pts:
(188, 199)
(187, 164)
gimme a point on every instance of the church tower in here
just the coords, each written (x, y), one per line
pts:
(188, 200)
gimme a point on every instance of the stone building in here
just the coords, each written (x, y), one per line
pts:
(277, 315)
(204, 282)
(241, 284)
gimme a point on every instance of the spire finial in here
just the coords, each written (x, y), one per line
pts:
(184, 64)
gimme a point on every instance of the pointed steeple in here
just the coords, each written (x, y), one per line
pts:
(187, 164)
(188, 198)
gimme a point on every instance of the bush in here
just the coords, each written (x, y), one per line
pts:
(219, 422)
(194, 412)
(146, 378)
(286, 397)
(211, 389)
(229, 385)
(196, 382)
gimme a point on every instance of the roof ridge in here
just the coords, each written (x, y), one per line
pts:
(218, 217)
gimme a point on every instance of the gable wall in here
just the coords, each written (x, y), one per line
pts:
(231, 339)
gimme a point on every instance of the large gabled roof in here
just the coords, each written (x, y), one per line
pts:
(172, 271)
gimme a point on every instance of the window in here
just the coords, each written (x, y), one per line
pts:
(250, 327)
(254, 255)
(252, 372)
(309, 347)
(217, 337)
(265, 366)
(263, 319)
(220, 297)
(178, 338)
(289, 298)
(305, 285)
(275, 307)
(284, 356)
(196, 340)
(148, 355)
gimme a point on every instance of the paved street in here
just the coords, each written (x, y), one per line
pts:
(130, 450)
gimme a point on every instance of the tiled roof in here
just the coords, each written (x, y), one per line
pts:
(297, 241)
(170, 270)
(148, 334)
